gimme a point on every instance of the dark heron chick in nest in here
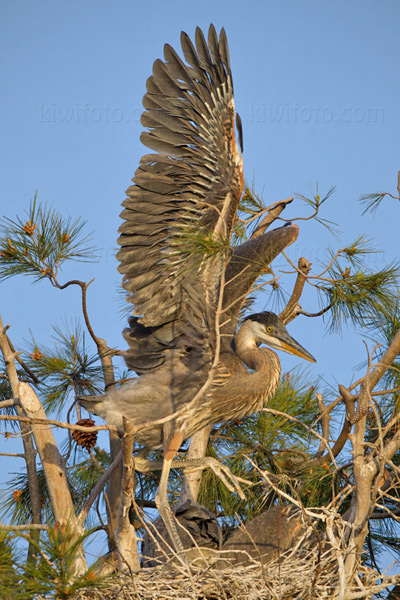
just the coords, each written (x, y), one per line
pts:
(180, 273)
(197, 527)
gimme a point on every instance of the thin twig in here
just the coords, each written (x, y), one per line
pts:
(98, 488)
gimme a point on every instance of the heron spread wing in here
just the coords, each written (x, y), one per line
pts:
(185, 194)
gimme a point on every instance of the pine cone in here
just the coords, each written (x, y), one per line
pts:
(85, 439)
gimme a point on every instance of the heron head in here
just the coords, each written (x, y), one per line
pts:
(267, 328)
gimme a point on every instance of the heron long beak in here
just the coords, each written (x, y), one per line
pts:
(283, 341)
(292, 347)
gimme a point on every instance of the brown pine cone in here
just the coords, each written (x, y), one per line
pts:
(85, 439)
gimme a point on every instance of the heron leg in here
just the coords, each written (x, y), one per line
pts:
(172, 443)
(208, 462)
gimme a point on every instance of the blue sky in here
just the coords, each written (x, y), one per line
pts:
(317, 87)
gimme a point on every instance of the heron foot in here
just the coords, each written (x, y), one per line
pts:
(223, 472)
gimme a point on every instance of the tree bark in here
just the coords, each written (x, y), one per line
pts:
(29, 449)
(113, 491)
(54, 470)
(125, 533)
(191, 480)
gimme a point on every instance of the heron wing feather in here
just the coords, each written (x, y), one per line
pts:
(190, 188)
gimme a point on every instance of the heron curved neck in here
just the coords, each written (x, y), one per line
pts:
(253, 357)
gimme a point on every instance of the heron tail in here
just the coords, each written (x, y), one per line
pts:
(91, 403)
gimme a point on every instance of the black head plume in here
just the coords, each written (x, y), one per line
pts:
(265, 317)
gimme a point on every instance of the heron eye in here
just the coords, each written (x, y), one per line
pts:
(269, 329)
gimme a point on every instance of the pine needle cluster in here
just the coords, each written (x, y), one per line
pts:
(67, 366)
(39, 244)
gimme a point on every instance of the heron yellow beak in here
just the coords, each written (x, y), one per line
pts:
(294, 347)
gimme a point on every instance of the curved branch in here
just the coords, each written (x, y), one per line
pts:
(273, 213)
(105, 353)
(84, 286)
(289, 312)
(44, 421)
(317, 314)
(344, 434)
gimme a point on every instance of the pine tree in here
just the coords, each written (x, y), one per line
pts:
(334, 454)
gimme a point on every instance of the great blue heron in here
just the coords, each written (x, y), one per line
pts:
(197, 527)
(182, 277)
(264, 538)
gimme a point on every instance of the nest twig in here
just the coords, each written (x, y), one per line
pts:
(302, 573)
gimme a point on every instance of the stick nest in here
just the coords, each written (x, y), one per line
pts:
(296, 575)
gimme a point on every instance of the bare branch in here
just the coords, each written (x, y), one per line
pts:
(98, 488)
(12, 454)
(385, 362)
(25, 527)
(22, 363)
(61, 424)
(273, 213)
(7, 403)
(125, 534)
(344, 434)
(317, 314)
(29, 450)
(325, 417)
(54, 469)
(289, 312)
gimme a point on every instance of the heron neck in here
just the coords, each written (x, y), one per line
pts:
(253, 357)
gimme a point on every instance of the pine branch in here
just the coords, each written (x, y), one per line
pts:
(41, 243)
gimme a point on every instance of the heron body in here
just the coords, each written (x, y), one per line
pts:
(234, 393)
(186, 283)
(267, 536)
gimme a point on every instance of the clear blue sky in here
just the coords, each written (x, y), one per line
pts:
(317, 87)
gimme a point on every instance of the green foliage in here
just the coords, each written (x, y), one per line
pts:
(54, 576)
(372, 201)
(315, 203)
(251, 203)
(251, 210)
(83, 474)
(40, 243)
(353, 290)
(16, 500)
(8, 568)
(64, 367)
(200, 245)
